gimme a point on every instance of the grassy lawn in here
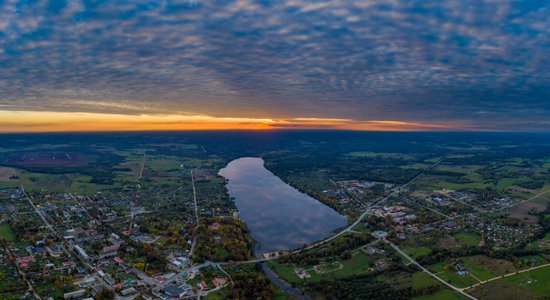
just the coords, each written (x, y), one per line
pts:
(480, 271)
(355, 265)
(459, 186)
(82, 184)
(467, 238)
(217, 295)
(278, 294)
(421, 279)
(417, 251)
(465, 169)
(416, 166)
(442, 295)
(9, 184)
(453, 278)
(7, 233)
(504, 183)
(536, 280)
(361, 228)
(162, 163)
(439, 267)
(529, 261)
(541, 244)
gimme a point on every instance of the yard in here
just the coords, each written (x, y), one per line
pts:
(7, 233)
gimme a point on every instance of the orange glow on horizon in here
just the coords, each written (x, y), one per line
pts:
(46, 121)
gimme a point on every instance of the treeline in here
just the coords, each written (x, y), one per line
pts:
(148, 261)
(101, 169)
(252, 286)
(366, 286)
(234, 241)
(342, 248)
(341, 167)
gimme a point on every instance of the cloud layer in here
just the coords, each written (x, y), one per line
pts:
(483, 62)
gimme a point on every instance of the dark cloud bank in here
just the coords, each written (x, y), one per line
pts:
(481, 62)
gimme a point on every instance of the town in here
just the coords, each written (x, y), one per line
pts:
(166, 227)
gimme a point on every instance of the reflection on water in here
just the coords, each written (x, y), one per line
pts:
(279, 216)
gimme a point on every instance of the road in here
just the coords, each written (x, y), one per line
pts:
(68, 246)
(44, 220)
(366, 212)
(179, 276)
(196, 215)
(506, 275)
(414, 262)
(351, 226)
(21, 273)
(533, 198)
(142, 167)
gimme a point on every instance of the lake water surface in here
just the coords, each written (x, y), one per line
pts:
(279, 216)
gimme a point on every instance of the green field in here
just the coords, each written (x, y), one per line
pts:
(481, 272)
(541, 244)
(452, 277)
(442, 295)
(416, 166)
(504, 183)
(9, 184)
(537, 280)
(7, 233)
(61, 183)
(463, 169)
(422, 279)
(417, 252)
(467, 238)
(217, 295)
(357, 264)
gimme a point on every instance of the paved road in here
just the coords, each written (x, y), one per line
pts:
(414, 262)
(179, 276)
(68, 246)
(142, 167)
(363, 215)
(506, 275)
(533, 198)
(196, 215)
(350, 227)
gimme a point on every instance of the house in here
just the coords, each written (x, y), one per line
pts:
(74, 295)
(301, 273)
(380, 234)
(109, 251)
(55, 250)
(118, 260)
(128, 292)
(81, 252)
(450, 224)
(220, 280)
(174, 291)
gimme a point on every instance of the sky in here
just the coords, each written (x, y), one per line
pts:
(220, 64)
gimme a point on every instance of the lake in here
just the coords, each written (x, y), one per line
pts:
(278, 216)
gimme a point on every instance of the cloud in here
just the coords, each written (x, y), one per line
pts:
(421, 61)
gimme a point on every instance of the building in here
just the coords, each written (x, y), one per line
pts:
(174, 291)
(74, 295)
